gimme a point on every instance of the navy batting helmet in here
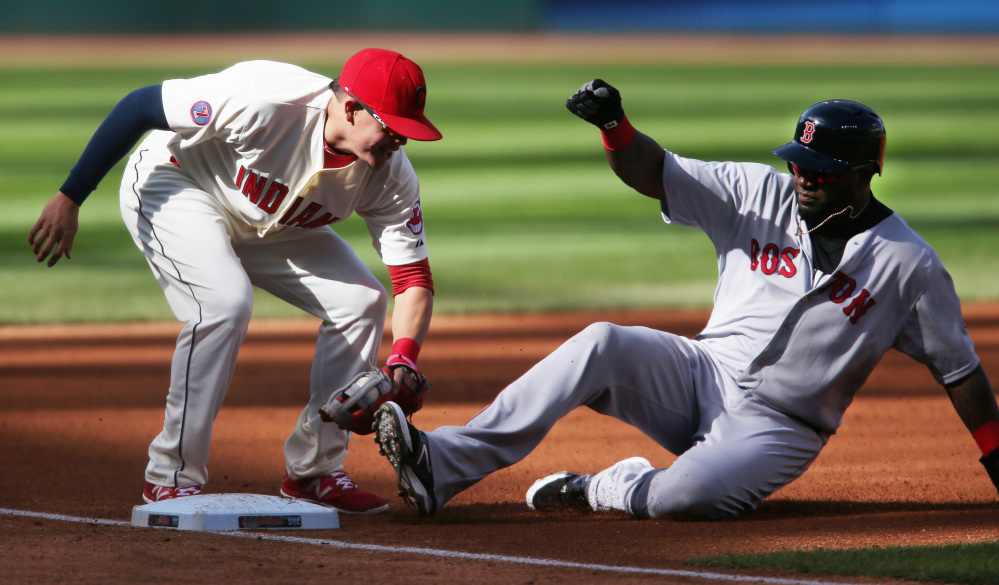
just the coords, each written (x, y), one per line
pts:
(835, 135)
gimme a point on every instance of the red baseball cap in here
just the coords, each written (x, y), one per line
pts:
(394, 88)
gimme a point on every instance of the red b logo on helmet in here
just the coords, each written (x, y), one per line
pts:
(808, 133)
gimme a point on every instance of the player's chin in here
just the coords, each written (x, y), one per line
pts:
(813, 215)
(380, 158)
(810, 212)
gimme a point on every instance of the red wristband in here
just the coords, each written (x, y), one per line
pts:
(405, 351)
(987, 437)
(620, 136)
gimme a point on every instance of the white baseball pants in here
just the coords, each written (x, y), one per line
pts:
(206, 262)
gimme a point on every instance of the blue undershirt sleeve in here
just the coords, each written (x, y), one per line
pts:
(137, 113)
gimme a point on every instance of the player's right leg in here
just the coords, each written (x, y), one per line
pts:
(185, 237)
(642, 376)
(739, 450)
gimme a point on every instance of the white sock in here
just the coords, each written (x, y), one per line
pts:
(611, 488)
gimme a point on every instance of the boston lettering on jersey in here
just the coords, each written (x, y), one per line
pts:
(268, 195)
(770, 259)
(841, 289)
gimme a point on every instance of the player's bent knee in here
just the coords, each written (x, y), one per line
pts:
(599, 331)
(366, 305)
(231, 306)
(598, 336)
(372, 302)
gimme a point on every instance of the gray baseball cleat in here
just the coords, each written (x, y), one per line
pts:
(406, 449)
(560, 491)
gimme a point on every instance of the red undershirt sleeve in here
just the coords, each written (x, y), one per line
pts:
(410, 275)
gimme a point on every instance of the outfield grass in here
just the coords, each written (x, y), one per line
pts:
(522, 212)
(969, 564)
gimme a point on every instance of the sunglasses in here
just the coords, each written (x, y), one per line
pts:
(815, 176)
(821, 176)
(378, 119)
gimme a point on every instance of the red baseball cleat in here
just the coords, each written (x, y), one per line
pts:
(156, 493)
(335, 490)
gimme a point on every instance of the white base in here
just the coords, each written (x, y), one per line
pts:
(209, 512)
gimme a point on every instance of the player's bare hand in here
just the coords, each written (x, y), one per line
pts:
(597, 102)
(52, 235)
(403, 377)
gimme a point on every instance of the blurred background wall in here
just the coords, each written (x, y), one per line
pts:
(710, 16)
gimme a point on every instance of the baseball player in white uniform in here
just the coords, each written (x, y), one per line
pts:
(237, 185)
(817, 280)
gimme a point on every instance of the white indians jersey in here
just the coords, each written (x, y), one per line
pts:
(252, 137)
(802, 341)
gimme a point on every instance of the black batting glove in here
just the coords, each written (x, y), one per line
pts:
(599, 103)
(991, 463)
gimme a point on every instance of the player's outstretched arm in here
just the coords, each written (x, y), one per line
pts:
(975, 402)
(137, 113)
(634, 157)
(640, 166)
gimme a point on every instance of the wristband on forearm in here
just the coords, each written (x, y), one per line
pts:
(619, 136)
(404, 351)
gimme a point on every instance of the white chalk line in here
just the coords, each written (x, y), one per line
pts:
(450, 554)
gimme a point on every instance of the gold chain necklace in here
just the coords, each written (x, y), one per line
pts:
(802, 232)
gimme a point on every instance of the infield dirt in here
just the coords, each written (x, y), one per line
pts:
(82, 402)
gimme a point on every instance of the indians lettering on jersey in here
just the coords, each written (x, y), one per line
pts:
(770, 259)
(253, 186)
(269, 194)
(306, 218)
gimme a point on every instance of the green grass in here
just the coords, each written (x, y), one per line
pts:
(969, 564)
(522, 212)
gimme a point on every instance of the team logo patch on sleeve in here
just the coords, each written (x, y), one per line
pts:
(415, 223)
(201, 113)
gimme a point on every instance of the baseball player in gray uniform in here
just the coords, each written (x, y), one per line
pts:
(237, 185)
(817, 280)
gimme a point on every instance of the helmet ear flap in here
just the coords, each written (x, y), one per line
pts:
(881, 157)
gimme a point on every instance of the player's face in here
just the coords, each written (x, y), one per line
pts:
(353, 130)
(820, 195)
(373, 142)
